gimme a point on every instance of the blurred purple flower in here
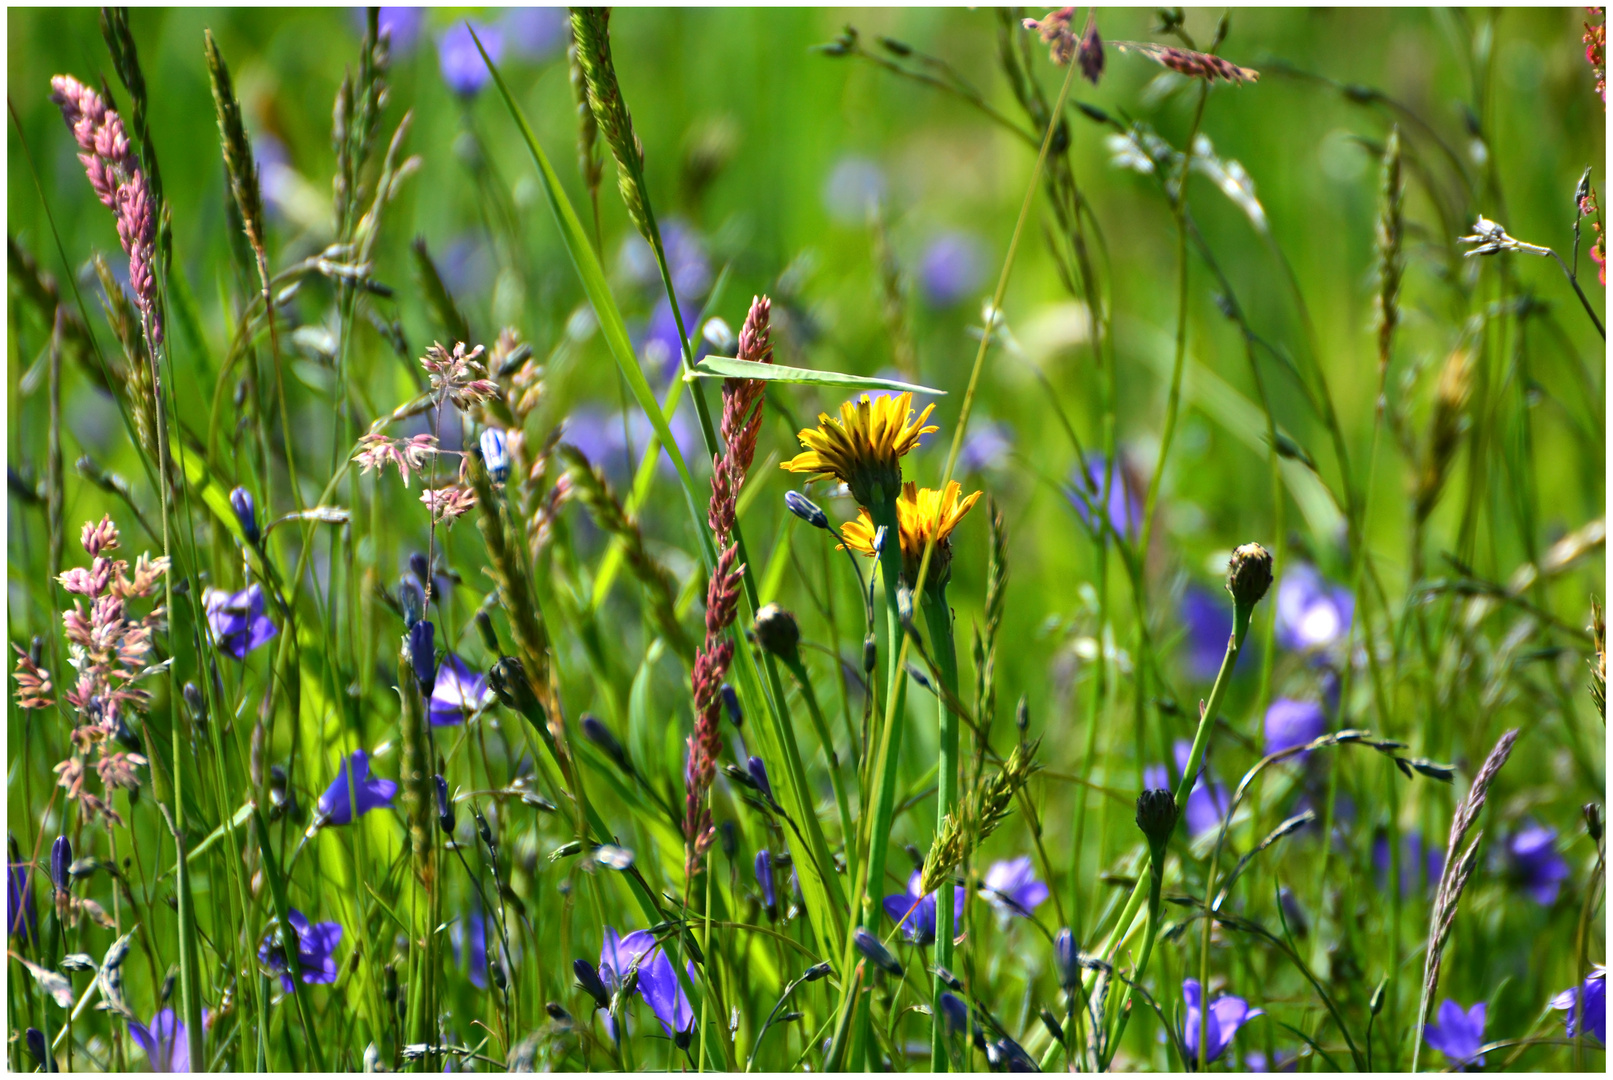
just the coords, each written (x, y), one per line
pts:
(1532, 861)
(237, 620)
(472, 925)
(1205, 806)
(1208, 618)
(465, 264)
(336, 805)
(598, 433)
(1458, 1035)
(1012, 889)
(21, 916)
(950, 268)
(1413, 861)
(954, 1011)
(764, 878)
(918, 922)
(1254, 1061)
(1121, 507)
(1311, 614)
(1594, 993)
(460, 690)
(985, 447)
(316, 947)
(463, 68)
(1227, 1015)
(1292, 723)
(402, 25)
(275, 172)
(686, 261)
(856, 187)
(659, 345)
(164, 1042)
(536, 32)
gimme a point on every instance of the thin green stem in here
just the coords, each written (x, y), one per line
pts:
(939, 617)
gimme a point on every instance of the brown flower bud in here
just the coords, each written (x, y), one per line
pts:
(778, 633)
(1248, 575)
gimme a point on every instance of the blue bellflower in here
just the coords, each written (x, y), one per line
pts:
(316, 947)
(1458, 1034)
(657, 981)
(1256, 1062)
(950, 268)
(336, 806)
(1594, 994)
(856, 188)
(1120, 506)
(402, 26)
(1414, 860)
(986, 447)
(1205, 806)
(473, 926)
(237, 620)
(660, 347)
(1227, 1015)
(536, 32)
(1532, 861)
(1311, 614)
(461, 62)
(164, 1041)
(1208, 618)
(915, 914)
(605, 440)
(1291, 723)
(459, 691)
(1011, 888)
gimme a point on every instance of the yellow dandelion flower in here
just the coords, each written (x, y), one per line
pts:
(864, 446)
(920, 514)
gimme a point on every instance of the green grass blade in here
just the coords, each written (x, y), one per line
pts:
(724, 367)
(594, 284)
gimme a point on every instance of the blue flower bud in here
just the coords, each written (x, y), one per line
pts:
(412, 598)
(37, 1047)
(246, 513)
(421, 567)
(496, 453)
(423, 655)
(876, 953)
(595, 731)
(758, 773)
(805, 509)
(61, 858)
(1067, 958)
(730, 702)
(445, 806)
(592, 985)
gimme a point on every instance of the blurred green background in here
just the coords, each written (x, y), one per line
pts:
(768, 154)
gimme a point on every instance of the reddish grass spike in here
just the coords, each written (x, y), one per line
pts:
(1195, 65)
